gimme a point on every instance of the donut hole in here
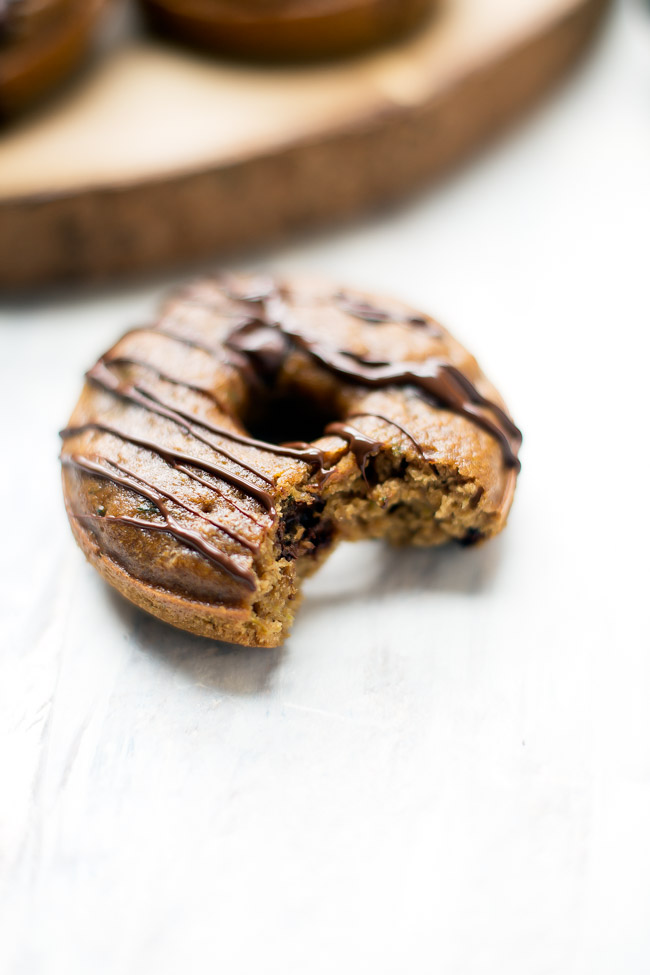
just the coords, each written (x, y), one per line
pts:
(289, 414)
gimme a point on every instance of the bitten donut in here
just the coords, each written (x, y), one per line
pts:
(286, 29)
(41, 42)
(217, 456)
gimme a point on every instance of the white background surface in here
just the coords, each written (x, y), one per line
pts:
(447, 767)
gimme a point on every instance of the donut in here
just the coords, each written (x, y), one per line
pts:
(41, 42)
(286, 29)
(217, 455)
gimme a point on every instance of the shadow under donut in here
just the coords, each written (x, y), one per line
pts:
(371, 570)
(224, 667)
(359, 572)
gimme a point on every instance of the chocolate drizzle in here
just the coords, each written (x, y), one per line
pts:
(393, 423)
(171, 526)
(367, 312)
(258, 345)
(142, 396)
(360, 308)
(175, 458)
(438, 379)
(123, 360)
(362, 447)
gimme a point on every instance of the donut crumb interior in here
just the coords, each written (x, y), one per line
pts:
(404, 502)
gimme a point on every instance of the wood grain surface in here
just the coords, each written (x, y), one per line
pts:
(163, 156)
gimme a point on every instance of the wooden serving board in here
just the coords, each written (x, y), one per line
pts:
(160, 156)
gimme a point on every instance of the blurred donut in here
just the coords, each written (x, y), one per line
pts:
(41, 43)
(286, 29)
